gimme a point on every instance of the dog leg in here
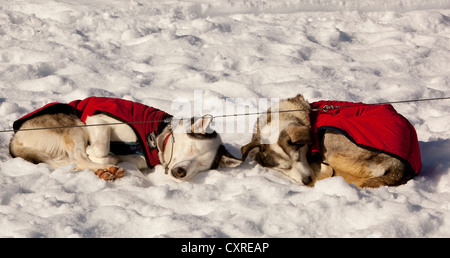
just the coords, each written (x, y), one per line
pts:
(76, 144)
(99, 148)
(320, 171)
(109, 159)
(100, 138)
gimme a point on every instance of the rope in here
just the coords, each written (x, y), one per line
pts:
(74, 126)
(325, 109)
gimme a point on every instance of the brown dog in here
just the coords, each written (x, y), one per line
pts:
(282, 144)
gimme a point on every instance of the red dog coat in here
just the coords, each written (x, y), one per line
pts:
(376, 127)
(123, 110)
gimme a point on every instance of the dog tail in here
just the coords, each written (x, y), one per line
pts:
(396, 175)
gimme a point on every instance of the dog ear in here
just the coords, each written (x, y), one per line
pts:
(299, 133)
(245, 150)
(225, 159)
(201, 125)
(228, 160)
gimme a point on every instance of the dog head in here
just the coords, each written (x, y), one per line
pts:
(281, 140)
(195, 148)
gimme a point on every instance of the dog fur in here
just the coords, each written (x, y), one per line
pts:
(70, 142)
(341, 157)
(281, 140)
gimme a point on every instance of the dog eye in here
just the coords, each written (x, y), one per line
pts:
(266, 160)
(296, 144)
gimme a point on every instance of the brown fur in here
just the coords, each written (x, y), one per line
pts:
(356, 165)
(58, 146)
(298, 130)
(286, 152)
(363, 167)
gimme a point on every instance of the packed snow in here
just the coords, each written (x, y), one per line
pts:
(228, 55)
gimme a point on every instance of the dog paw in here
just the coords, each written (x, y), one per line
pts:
(118, 172)
(104, 174)
(110, 174)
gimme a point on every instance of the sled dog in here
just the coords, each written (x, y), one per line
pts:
(289, 150)
(183, 147)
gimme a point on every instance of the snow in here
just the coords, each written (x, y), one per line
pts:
(228, 54)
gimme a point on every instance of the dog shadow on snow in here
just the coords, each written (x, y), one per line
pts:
(201, 177)
(435, 160)
(435, 164)
(156, 175)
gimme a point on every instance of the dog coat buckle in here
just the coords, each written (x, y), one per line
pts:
(151, 140)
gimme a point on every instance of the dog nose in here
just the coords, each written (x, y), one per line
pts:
(306, 180)
(179, 172)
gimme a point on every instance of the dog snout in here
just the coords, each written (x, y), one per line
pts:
(306, 180)
(179, 172)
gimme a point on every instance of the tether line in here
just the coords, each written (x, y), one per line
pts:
(325, 109)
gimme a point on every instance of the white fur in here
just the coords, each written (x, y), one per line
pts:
(294, 165)
(101, 136)
(191, 154)
(184, 157)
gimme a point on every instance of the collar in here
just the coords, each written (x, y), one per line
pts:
(165, 141)
(161, 152)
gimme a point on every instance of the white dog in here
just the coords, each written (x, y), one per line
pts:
(184, 148)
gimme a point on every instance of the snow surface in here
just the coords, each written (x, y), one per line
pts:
(156, 51)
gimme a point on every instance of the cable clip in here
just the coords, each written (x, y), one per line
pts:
(327, 108)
